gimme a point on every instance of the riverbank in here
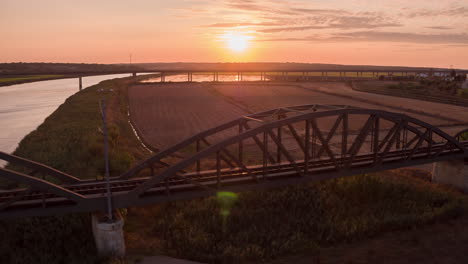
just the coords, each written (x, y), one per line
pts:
(6, 80)
(260, 226)
(70, 140)
(23, 107)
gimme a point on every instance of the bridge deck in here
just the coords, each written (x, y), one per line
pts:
(207, 182)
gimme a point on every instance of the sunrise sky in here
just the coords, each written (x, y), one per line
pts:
(398, 32)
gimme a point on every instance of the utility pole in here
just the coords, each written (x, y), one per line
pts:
(130, 58)
(106, 159)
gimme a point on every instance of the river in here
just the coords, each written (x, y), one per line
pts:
(23, 107)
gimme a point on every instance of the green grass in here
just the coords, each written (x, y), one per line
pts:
(28, 78)
(69, 140)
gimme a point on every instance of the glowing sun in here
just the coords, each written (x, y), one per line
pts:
(236, 42)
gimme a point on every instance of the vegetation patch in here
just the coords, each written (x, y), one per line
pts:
(436, 90)
(259, 226)
(71, 140)
(28, 77)
(10, 80)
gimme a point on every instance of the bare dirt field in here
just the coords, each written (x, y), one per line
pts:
(443, 115)
(165, 114)
(260, 97)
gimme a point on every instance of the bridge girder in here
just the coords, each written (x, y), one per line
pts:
(423, 137)
(273, 148)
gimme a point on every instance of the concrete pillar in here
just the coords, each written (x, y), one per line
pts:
(80, 83)
(134, 74)
(109, 237)
(450, 172)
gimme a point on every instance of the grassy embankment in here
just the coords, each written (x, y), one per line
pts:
(231, 228)
(70, 140)
(434, 91)
(10, 80)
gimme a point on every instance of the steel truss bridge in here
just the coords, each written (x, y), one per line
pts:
(270, 149)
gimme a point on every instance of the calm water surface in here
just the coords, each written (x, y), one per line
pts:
(205, 78)
(23, 107)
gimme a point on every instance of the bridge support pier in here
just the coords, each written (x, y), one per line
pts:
(80, 80)
(451, 173)
(109, 236)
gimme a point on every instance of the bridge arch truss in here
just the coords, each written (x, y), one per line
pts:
(274, 148)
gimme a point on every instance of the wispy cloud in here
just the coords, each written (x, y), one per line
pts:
(450, 12)
(241, 24)
(440, 27)
(289, 20)
(376, 36)
(351, 24)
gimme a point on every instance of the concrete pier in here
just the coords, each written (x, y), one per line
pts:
(109, 236)
(451, 173)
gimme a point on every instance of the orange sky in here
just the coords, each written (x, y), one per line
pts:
(408, 33)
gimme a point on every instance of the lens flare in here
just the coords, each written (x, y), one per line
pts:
(226, 200)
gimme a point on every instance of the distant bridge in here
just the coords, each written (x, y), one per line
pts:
(270, 149)
(272, 74)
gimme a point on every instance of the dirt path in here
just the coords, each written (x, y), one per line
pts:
(259, 97)
(441, 114)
